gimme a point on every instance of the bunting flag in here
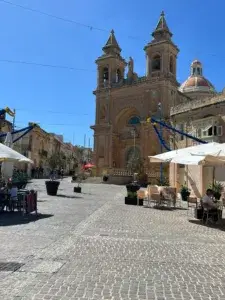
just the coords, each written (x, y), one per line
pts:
(9, 112)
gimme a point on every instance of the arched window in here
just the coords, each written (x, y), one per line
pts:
(134, 120)
(156, 63)
(199, 71)
(105, 74)
(118, 75)
(171, 65)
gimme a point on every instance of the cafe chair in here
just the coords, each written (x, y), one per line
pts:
(208, 214)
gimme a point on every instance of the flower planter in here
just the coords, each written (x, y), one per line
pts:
(133, 201)
(185, 195)
(105, 178)
(132, 187)
(77, 189)
(52, 187)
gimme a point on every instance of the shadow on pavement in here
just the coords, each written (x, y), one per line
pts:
(69, 196)
(167, 208)
(220, 226)
(16, 218)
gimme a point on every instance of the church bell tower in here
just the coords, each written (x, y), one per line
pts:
(111, 65)
(161, 52)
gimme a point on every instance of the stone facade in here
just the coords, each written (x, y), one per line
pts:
(39, 145)
(203, 118)
(124, 101)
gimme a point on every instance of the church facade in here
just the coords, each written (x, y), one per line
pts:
(124, 100)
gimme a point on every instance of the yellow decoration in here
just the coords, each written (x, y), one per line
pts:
(148, 120)
(9, 112)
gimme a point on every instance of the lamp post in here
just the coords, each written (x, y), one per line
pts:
(133, 133)
(161, 133)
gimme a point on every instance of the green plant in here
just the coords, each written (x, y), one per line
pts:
(164, 182)
(217, 187)
(185, 192)
(80, 177)
(184, 189)
(19, 177)
(132, 194)
(136, 165)
(56, 160)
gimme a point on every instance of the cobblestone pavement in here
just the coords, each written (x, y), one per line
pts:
(92, 246)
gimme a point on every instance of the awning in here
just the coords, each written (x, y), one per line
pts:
(208, 160)
(8, 154)
(201, 150)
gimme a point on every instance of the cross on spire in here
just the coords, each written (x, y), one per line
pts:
(111, 44)
(162, 29)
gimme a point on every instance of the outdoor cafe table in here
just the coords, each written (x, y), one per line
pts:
(26, 201)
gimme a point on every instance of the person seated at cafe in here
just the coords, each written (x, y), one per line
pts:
(13, 192)
(208, 200)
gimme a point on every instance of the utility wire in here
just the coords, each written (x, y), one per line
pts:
(53, 16)
(48, 124)
(51, 112)
(44, 65)
(70, 21)
(61, 18)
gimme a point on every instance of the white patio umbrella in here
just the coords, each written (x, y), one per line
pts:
(213, 149)
(8, 154)
(205, 160)
(7, 166)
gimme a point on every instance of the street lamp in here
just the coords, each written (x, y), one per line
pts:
(161, 134)
(133, 133)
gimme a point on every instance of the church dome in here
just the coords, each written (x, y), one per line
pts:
(196, 82)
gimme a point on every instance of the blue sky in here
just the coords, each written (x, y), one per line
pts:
(61, 100)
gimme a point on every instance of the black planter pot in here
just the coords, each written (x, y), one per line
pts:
(105, 178)
(140, 202)
(133, 201)
(198, 213)
(77, 189)
(185, 196)
(52, 187)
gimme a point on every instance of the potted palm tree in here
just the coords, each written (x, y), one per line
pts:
(135, 166)
(54, 162)
(185, 193)
(217, 188)
(80, 177)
